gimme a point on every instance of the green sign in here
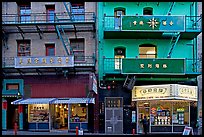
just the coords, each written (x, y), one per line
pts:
(155, 23)
(153, 66)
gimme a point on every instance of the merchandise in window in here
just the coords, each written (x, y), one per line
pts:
(23, 48)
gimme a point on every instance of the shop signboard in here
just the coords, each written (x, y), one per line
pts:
(153, 66)
(166, 91)
(188, 92)
(43, 62)
(150, 92)
(153, 23)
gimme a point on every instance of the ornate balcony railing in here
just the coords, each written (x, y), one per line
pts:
(160, 23)
(151, 66)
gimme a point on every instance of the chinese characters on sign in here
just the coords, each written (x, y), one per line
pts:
(29, 62)
(155, 66)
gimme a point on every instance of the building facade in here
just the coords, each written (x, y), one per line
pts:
(148, 65)
(49, 66)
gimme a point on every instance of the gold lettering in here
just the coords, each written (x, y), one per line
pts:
(164, 66)
(156, 65)
(59, 60)
(67, 59)
(44, 60)
(149, 65)
(142, 66)
(21, 61)
(36, 60)
(51, 60)
(29, 61)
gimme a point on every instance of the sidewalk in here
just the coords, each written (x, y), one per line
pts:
(64, 132)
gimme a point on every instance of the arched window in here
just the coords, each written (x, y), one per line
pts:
(118, 12)
(148, 11)
(147, 51)
(119, 53)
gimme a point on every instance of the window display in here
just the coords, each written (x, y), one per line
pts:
(79, 113)
(160, 114)
(38, 113)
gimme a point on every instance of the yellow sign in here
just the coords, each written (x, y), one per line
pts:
(167, 91)
(150, 92)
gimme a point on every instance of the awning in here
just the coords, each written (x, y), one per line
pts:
(34, 101)
(74, 100)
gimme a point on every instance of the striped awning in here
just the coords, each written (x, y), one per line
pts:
(34, 101)
(74, 100)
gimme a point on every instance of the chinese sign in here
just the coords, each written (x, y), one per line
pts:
(166, 91)
(185, 91)
(47, 61)
(153, 66)
(93, 82)
(150, 92)
(155, 23)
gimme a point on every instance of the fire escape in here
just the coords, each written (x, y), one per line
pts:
(62, 25)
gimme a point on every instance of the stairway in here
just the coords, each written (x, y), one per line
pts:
(129, 82)
(64, 38)
(174, 41)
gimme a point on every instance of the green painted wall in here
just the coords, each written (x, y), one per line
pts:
(183, 49)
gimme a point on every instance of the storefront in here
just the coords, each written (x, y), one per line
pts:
(45, 114)
(167, 107)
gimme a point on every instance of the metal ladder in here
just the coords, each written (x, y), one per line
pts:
(64, 39)
(129, 82)
(68, 7)
(174, 41)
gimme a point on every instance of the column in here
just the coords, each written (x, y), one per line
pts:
(4, 116)
(20, 112)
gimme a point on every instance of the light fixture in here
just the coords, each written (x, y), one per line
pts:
(72, 109)
(56, 106)
(86, 104)
(65, 106)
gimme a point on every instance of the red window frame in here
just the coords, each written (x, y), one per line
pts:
(49, 46)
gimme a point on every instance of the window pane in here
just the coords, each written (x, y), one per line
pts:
(147, 52)
(23, 48)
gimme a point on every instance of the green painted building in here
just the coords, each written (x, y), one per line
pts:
(148, 65)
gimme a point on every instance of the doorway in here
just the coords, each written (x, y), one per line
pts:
(60, 120)
(12, 113)
(143, 110)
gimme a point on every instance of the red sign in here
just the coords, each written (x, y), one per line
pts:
(4, 105)
(20, 109)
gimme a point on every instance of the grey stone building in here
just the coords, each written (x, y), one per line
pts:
(49, 52)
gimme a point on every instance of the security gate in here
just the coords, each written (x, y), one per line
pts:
(114, 115)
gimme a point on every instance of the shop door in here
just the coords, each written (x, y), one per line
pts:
(114, 115)
(142, 111)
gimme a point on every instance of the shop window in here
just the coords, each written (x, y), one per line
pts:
(180, 113)
(118, 12)
(24, 12)
(50, 49)
(79, 113)
(161, 113)
(147, 51)
(12, 86)
(78, 48)
(148, 11)
(119, 53)
(78, 11)
(38, 113)
(23, 48)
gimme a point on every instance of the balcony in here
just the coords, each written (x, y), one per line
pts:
(37, 22)
(47, 64)
(179, 67)
(155, 27)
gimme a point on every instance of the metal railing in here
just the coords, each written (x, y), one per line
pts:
(84, 61)
(191, 23)
(42, 18)
(113, 65)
